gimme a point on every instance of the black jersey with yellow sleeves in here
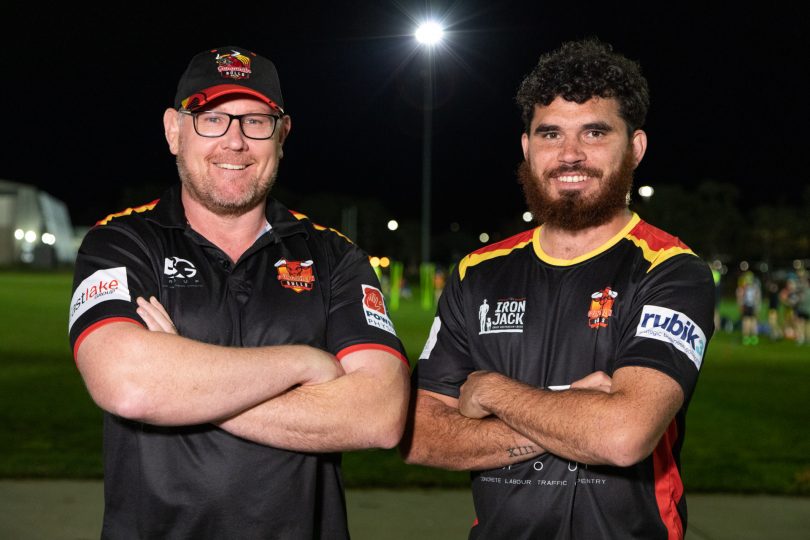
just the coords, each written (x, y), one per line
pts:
(299, 283)
(641, 299)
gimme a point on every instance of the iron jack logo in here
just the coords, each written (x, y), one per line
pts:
(601, 307)
(507, 316)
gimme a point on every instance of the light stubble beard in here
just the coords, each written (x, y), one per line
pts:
(572, 211)
(203, 191)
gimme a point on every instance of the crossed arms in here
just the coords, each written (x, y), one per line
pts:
(292, 396)
(497, 421)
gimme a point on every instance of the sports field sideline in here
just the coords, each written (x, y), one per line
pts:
(72, 510)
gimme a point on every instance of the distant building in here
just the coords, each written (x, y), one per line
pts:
(35, 227)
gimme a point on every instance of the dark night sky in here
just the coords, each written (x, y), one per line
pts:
(84, 92)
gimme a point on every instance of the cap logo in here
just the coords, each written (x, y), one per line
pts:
(233, 66)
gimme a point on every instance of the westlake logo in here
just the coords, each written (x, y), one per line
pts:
(102, 285)
(675, 328)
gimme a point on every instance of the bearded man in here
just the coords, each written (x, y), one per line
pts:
(568, 406)
(264, 348)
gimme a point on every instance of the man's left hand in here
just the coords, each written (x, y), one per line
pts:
(469, 403)
(154, 315)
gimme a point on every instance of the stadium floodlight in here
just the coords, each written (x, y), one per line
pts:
(646, 191)
(393, 225)
(19, 234)
(30, 237)
(527, 216)
(429, 33)
(48, 238)
(483, 238)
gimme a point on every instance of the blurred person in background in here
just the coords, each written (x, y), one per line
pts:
(749, 300)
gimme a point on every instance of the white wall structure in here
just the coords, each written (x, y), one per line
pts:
(35, 227)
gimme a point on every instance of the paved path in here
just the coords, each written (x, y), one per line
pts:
(71, 510)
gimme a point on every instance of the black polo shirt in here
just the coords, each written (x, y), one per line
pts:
(641, 299)
(299, 283)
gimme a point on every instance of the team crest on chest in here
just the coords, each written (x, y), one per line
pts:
(503, 315)
(295, 275)
(601, 307)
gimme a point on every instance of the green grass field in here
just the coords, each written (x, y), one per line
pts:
(747, 429)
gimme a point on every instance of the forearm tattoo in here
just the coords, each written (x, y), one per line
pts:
(519, 451)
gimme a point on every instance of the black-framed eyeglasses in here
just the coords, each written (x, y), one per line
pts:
(216, 124)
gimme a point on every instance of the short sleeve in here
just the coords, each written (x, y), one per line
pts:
(671, 321)
(113, 268)
(357, 317)
(445, 361)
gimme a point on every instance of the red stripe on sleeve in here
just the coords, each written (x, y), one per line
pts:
(668, 484)
(95, 326)
(372, 346)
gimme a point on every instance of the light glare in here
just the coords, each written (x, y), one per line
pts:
(48, 238)
(646, 191)
(527, 216)
(429, 33)
(30, 237)
(393, 225)
(19, 234)
(483, 237)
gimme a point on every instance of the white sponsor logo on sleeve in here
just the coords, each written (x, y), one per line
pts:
(374, 309)
(103, 285)
(675, 328)
(431, 340)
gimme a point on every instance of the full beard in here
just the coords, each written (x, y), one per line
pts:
(572, 211)
(202, 189)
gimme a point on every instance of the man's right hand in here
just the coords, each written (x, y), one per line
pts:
(323, 367)
(598, 380)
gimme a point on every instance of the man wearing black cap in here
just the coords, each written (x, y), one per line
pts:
(264, 350)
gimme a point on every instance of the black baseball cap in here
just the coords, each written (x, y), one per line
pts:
(228, 70)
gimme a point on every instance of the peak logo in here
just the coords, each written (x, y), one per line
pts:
(102, 285)
(675, 328)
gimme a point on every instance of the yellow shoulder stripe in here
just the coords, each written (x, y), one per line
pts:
(300, 217)
(128, 211)
(478, 257)
(657, 257)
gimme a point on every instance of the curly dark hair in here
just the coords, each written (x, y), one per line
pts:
(580, 70)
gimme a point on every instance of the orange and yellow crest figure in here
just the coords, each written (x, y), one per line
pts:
(601, 307)
(233, 66)
(295, 275)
